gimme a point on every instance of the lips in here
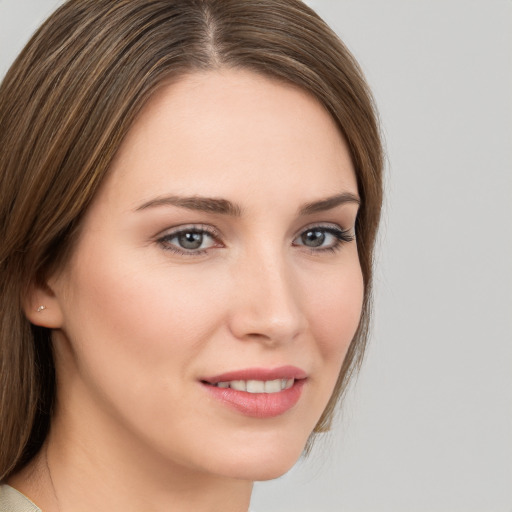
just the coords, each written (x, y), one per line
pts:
(257, 386)
(258, 392)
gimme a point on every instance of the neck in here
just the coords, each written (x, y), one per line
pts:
(82, 468)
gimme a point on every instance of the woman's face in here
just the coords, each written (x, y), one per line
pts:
(220, 249)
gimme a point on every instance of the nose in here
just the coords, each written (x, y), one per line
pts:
(267, 301)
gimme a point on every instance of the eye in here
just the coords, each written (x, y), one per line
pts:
(190, 240)
(321, 238)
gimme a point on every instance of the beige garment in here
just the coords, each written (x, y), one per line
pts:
(13, 501)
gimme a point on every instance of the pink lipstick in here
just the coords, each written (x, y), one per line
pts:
(258, 392)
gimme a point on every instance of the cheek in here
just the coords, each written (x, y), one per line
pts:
(134, 336)
(126, 319)
(335, 306)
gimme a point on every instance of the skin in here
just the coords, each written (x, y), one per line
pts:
(137, 324)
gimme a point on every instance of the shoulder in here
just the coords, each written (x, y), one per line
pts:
(13, 501)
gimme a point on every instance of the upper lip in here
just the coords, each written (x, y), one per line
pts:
(282, 372)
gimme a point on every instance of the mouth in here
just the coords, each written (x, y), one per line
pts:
(258, 392)
(256, 386)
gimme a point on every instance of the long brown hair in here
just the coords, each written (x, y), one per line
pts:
(67, 103)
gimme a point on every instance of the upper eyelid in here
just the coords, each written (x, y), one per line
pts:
(218, 236)
(164, 239)
(210, 230)
(321, 225)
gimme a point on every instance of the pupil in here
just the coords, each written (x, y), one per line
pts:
(313, 238)
(190, 240)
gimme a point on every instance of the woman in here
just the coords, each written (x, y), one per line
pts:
(190, 193)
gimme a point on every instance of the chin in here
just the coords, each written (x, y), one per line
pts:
(271, 473)
(262, 462)
(256, 471)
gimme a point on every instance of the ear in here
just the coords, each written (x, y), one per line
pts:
(42, 307)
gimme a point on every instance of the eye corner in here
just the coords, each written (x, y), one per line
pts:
(330, 237)
(189, 240)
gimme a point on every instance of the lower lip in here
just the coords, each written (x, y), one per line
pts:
(258, 405)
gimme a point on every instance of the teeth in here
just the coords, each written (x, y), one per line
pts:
(258, 386)
(273, 386)
(239, 385)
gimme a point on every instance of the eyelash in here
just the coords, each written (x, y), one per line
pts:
(341, 237)
(164, 241)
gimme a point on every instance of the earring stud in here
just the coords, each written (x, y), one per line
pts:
(41, 308)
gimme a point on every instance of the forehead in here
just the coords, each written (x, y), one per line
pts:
(227, 132)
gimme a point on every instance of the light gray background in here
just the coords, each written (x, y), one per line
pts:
(428, 427)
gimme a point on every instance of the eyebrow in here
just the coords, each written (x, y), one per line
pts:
(202, 204)
(328, 203)
(225, 207)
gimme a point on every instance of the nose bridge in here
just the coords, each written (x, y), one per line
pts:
(267, 304)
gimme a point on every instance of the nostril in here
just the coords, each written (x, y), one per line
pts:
(256, 335)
